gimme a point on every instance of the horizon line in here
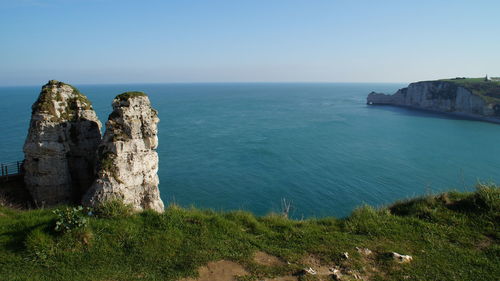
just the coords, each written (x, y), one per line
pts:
(209, 82)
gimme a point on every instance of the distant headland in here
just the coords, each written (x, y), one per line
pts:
(477, 98)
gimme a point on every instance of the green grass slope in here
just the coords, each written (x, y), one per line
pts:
(451, 236)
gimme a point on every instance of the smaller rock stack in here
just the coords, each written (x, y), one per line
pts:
(128, 161)
(60, 149)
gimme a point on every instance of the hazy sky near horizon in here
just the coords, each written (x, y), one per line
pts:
(124, 41)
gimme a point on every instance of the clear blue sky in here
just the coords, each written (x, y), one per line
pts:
(106, 41)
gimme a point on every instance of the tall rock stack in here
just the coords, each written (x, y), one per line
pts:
(128, 161)
(60, 150)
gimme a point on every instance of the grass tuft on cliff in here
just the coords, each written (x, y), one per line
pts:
(451, 236)
(127, 95)
(47, 98)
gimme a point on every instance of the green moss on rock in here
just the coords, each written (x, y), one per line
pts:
(107, 161)
(108, 164)
(47, 99)
(44, 102)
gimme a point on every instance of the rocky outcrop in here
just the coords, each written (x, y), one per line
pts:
(60, 149)
(64, 147)
(401, 258)
(128, 161)
(441, 96)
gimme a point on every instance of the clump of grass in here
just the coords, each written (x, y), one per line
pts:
(115, 208)
(367, 221)
(487, 198)
(40, 246)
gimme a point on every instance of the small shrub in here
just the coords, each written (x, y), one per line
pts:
(114, 209)
(70, 218)
(77, 240)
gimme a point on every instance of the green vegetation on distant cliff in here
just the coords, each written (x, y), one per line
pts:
(451, 236)
(128, 95)
(489, 90)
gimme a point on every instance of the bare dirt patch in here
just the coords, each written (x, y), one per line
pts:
(484, 243)
(329, 270)
(266, 259)
(220, 270)
(314, 263)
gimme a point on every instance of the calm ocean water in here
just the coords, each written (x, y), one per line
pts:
(246, 146)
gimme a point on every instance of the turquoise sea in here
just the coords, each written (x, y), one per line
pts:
(246, 146)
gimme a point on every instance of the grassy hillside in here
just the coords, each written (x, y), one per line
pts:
(451, 236)
(489, 90)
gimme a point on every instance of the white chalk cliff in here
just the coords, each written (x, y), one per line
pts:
(60, 149)
(128, 161)
(440, 96)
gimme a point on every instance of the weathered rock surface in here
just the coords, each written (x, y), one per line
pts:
(441, 96)
(128, 161)
(401, 258)
(60, 149)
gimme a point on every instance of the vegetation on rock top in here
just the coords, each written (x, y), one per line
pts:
(47, 99)
(127, 95)
(451, 236)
